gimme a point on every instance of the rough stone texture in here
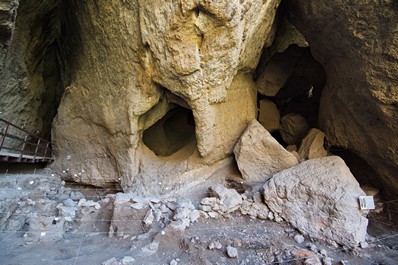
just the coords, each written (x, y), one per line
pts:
(31, 64)
(138, 61)
(8, 12)
(357, 45)
(312, 145)
(320, 198)
(269, 115)
(287, 35)
(293, 128)
(259, 155)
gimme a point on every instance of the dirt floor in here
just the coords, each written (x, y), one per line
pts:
(32, 232)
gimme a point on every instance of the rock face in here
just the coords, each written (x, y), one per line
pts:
(188, 62)
(320, 198)
(34, 61)
(8, 11)
(259, 155)
(357, 45)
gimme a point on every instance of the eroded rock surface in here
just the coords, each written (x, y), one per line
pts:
(139, 61)
(357, 45)
(320, 198)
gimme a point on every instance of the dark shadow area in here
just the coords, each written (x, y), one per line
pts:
(171, 133)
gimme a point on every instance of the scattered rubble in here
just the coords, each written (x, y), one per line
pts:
(152, 227)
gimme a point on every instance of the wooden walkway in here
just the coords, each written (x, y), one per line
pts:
(20, 146)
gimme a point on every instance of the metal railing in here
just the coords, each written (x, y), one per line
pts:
(19, 145)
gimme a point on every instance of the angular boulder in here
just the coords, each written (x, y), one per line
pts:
(259, 155)
(312, 145)
(319, 197)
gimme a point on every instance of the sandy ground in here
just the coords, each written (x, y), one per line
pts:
(29, 197)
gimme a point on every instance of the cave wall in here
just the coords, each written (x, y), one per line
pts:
(8, 13)
(35, 62)
(140, 57)
(357, 44)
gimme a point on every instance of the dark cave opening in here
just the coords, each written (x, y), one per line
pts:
(290, 87)
(172, 132)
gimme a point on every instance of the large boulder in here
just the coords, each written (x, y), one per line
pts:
(319, 197)
(259, 155)
(357, 45)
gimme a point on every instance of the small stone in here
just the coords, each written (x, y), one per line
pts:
(173, 262)
(215, 245)
(323, 252)
(312, 261)
(312, 247)
(299, 238)
(151, 248)
(148, 219)
(127, 260)
(327, 261)
(213, 215)
(232, 252)
(364, 244)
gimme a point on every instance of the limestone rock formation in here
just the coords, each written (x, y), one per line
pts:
(320, 198)
(186, 62)
(34, 61)
(259, 155)
(312, 145)
(8, 11)
(357, 45)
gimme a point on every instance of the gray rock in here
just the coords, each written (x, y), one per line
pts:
(69, 203)
(296, 195)
(229, 200)
(259, 155)
(232, 252)
(327, 261)
(312, 261)
(299, 238)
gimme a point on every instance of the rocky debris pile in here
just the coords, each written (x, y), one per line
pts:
(319, 197)
(43, 208)
(135, 215)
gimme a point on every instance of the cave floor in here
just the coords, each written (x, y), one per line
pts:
(203, 242)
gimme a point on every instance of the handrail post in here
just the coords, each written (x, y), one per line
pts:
(45, 152)
(37, 148)
(23, 146)
(3, 136)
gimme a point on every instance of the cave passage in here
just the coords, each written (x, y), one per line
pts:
(171, 133)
